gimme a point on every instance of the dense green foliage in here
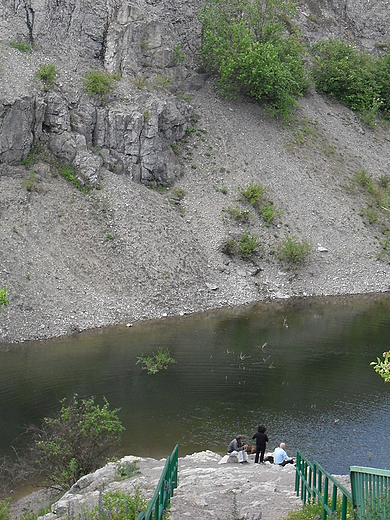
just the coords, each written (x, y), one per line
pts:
(245, 44)
(76, 442)
(356, 78)
(3, 297)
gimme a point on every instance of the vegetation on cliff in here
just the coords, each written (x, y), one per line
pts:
(245, 43)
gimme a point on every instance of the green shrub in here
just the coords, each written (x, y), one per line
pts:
(33, 157)
(4, 509)
(159, 360)
(69, 173)
(365, 181)
(370, 213)
(382, 79)
(252, 193)
(77, 441)
(28, 182)
(245, 44)
(47, 73)
(178, 55)
(294, 251)
(355, 78)
(241, 215)
(229, 247)
(383, 369)
(98, 83)
(128, 469)
(120, 505)
(4, 301)
(22, 47)
(248, 244)
(269, 212)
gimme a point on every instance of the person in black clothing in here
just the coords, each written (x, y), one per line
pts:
(261, 441)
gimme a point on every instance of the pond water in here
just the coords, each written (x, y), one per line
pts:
(302, 368)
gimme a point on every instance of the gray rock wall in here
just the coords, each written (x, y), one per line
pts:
(129, 133)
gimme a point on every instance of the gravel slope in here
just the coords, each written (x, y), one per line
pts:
(124, 253)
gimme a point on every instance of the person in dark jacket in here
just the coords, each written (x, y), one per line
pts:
(237, 449)
(261, 441)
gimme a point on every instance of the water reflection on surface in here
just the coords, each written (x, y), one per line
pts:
(302, 368)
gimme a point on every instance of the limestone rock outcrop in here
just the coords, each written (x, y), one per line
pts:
(152, 46)
(129, 133)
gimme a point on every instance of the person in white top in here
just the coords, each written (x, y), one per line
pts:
(280, 456)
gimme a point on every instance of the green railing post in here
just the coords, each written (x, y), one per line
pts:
(164, 490)
(370, 493)
(313, 479)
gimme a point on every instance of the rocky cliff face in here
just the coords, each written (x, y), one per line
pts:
(132, 129)
(145, 42)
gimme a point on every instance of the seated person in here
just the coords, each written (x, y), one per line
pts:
(280, 456)
(238, 449)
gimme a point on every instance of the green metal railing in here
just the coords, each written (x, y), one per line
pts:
(314, 484)
(370, 492)
(164, 491)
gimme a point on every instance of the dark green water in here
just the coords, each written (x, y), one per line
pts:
(302, 368)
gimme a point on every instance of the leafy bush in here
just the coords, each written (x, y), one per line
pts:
(248, 244)
(34, 156)
(294, 251)
(245, 45)
(47, 73)
(4, 509)
(371, 214)
(128, 469)
(314, 511)
(77, 441)
(98, 83)
(178, 55)
(356, 78)
(159, 360)
(382, 79)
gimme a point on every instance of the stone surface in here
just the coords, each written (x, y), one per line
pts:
(206, 489)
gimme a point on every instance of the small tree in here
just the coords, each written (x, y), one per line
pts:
(76, 442)
(3, 297)
(383, 367)
(245, 43)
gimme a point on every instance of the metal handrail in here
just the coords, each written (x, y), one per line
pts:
(312, 481)
(164, 491)
(370, 492)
